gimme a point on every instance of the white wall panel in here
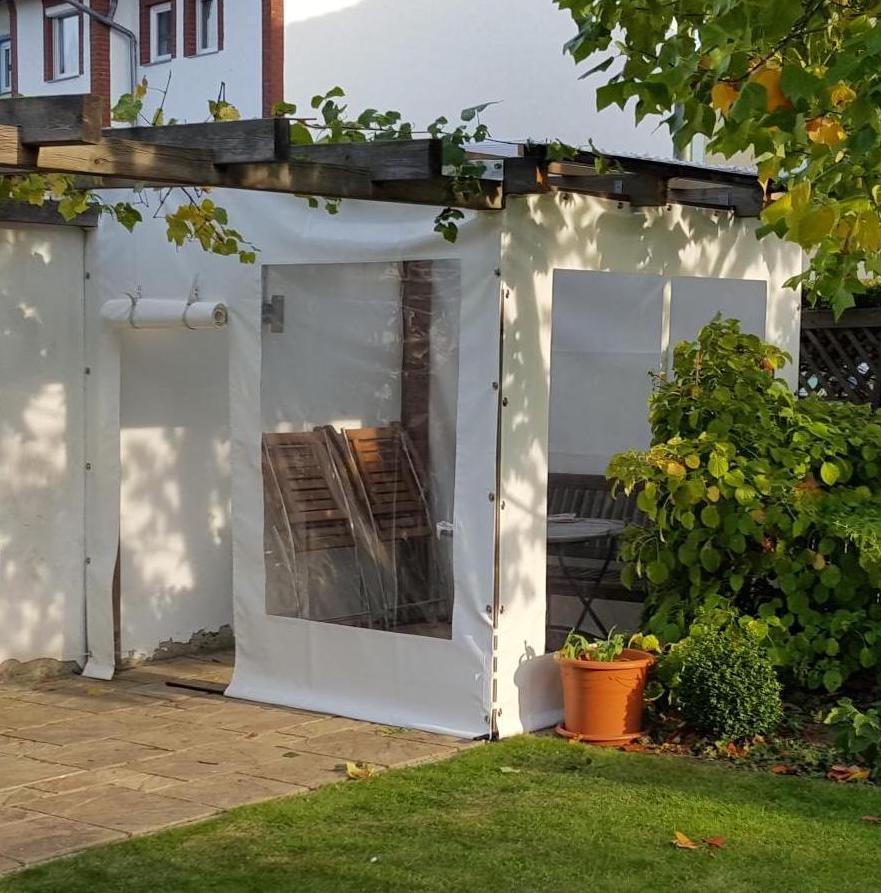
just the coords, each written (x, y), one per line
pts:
(41, 443)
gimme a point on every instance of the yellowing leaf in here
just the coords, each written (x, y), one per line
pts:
(842, 96)
(814, 226)
(680, 841)
(675, 470)
(819, 562)
(829, 472)
(867, 231)
(713, 493)
(826, 131)
(508, 770)
(693, 460)
(360, 770)
(769, 78)
(722, 96)
(848, 773)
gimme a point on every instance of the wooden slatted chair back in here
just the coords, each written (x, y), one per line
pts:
(302, 481)
(388, 471)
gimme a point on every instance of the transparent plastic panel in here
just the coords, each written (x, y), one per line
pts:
(358, 394)
(694, 301)
(606, 337)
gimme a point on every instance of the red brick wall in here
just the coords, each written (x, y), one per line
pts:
(144, 36)
(273, 54)
(13, 36)
(99, 58)
(191, 29)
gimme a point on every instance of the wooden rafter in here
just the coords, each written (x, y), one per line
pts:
(63, 134)
(45, 214)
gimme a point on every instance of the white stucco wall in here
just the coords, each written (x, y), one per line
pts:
(427, 58)
(41, 443)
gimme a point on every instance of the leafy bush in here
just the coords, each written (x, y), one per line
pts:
(765, 507)
(727, 686)
(858, 733)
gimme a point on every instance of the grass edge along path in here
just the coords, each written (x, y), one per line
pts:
(526, 815)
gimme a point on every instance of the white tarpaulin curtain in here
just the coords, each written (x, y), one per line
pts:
(339, 365)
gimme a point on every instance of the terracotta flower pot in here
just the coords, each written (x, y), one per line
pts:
(603, 700)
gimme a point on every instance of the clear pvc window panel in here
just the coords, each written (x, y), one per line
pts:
(358, 397)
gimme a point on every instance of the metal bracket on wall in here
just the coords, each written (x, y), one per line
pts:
(272, 313)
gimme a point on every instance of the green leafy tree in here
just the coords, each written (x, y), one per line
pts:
(795, 83)
(765, 510)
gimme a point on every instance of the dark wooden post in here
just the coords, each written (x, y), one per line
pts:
(417, 288)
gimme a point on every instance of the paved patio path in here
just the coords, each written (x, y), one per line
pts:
(85, 762)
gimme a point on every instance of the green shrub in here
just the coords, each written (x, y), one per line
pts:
(763, 506)
(727, 686)
(858, 733)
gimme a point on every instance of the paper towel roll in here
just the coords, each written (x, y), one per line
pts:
(152, 313)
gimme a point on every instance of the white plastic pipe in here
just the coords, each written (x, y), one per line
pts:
(152, 313)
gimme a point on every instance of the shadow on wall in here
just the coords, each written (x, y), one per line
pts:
(595, 235)
(175, 551)
(394, 55)
(41, 447)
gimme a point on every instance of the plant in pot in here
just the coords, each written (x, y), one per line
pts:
(603, 687)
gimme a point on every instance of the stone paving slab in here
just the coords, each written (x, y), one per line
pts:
(116, 775)
(86, 727)
(371, 747)
(46, 837)
(121, 809)
(85, 762)
(310, 770)
(100, 754)
(16, 771)
(232, 789)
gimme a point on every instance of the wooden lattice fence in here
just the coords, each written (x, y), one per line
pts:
(841, 359)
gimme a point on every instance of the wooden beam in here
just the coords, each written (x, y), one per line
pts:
(524, 176)
(743, 201)
(132, 161)
(230, 142)
(12, 153)
(382, 159)
(333, 181)
(640, 190)
(855, 317)
(54, 120)
(46, 214)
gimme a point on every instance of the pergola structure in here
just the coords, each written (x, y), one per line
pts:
(361, 351)
(63, 134)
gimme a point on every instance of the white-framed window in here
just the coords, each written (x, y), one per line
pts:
(5, 64)
(162, 26)
(207, 23)
(65, 23)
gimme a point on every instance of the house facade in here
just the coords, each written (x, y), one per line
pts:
(421, 58)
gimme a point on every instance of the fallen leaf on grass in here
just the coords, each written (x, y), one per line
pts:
(848, 773)
(633, 747)
(715, 843)
(360, 770)
(681, 842)
(783, 769)
(871, 819)
(509, 770)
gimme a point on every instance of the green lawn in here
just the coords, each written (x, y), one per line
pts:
(571, 819)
